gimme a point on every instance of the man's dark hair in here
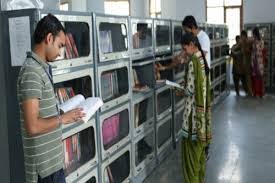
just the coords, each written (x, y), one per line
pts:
(48, 24)
(142, 26)
(237, 38)
(190, 22)
(244, 33)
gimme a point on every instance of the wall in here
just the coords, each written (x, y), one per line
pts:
(168, 9)
(139, 8)
(258, 11)
(78, 5)
(191, 7)
(95, 6)
(51, 4)
(4, 150)
(178, 9)
(171, 9)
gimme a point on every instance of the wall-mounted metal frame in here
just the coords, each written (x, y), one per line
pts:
(165, 48)
(168, 122)
(110, 67)
(63, 75)
(150, 156)
(177, 31)
(145, 76)
(114, 20)
(91, 177)
(209, 29)
(148, 109)
(76, 175)
(178, 120)
(145, 51)
(161, 115)
(69, 20)
(105, 164)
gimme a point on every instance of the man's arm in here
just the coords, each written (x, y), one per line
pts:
(179, 59)
(205, 45)
(35, 125)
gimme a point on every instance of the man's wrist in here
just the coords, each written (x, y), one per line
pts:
(59, 119)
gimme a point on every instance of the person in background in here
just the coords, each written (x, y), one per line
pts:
(238, 66)
(141, 37)
(189, 24)
(196, 127)
(257, 64)
(245, 46)
(39, 114)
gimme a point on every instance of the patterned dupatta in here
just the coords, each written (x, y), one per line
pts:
(203, 109)
(199, 119)
(257, 61)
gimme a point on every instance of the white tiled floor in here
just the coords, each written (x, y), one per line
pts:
(243, 148)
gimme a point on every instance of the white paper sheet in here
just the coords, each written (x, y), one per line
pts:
(20, 39)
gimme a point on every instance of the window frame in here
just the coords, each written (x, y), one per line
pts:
(62, 3)
(155, 13)
(224, 11)
(113, 1)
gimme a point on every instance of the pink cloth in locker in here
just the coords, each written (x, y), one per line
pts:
(110, 129)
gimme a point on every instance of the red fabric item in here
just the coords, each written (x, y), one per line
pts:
(257, 86)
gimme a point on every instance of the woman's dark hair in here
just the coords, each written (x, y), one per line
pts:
(186, 39)
(237, 38)
(48, 24)
(244, 33)
(190, 22)
(256, 33)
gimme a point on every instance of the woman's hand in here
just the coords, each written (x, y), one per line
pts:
(160, 67)
(179, 93)
(72, 116)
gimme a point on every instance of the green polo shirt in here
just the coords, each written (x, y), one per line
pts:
(44, 153)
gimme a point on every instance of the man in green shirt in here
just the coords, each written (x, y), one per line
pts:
(40, 119)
